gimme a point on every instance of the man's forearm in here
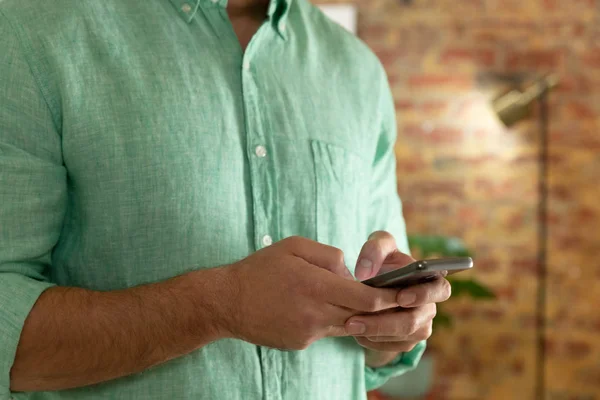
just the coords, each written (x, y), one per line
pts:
(75, 337)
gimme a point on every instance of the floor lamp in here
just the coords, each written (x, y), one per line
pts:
(510, 109)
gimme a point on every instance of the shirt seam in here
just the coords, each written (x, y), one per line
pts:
(27, 51)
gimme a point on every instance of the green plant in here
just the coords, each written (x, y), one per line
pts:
(441, 246)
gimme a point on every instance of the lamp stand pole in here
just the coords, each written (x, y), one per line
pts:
(542, 232)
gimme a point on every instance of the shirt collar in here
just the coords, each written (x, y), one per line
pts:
(277, 13)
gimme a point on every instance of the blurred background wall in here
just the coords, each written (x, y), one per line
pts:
(461, 174)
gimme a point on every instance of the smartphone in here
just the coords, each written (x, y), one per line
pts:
(420, 272)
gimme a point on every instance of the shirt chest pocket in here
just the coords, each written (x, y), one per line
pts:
(341, 198)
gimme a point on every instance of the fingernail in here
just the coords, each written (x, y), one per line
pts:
(366, 267)
(356, 328)
(406, 299)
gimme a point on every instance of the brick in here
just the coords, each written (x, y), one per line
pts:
(428, 107)
(575, 137)
(503, 31)
(465, 341)
(567, 242)
(577, 348)
(472, 217)
(526, 159)
(525, 265)
(534, 59)
(560, 192)
(505, 343)
(412, 165)
(591, 58)
(437, 135)
(565, 29)
(464, 313)
(575, 84)
(374, 32)
(586, 214)
(436, 81)
(388, 57)
(478, 57)
(433, 107)
(580, 110)
(487, 264)
(507, 293)
(517, 367)
(424, 208)
(527, 321)
(493, 314)
(444, 163)
(452, 366)
(405, 105)
(516, 221)
(560, 5)
(502, 189)
(428, 189)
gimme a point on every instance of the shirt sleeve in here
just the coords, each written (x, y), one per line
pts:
(377, 377)
(33, 193)
(385, 213)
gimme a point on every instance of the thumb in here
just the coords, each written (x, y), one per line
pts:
(374, 252)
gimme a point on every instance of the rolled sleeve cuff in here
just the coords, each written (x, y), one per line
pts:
(17, 297)
(377, 377)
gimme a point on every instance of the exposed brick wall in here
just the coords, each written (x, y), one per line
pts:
(460, 174)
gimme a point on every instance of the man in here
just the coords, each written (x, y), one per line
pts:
(183, 186)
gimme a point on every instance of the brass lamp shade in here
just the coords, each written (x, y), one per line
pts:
(516, 105)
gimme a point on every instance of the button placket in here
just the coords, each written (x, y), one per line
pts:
(260, 158)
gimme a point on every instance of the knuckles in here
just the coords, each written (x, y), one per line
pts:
(426, 333)
(411, 323)
(337, 256)
(372, 304)
(293, 240)
(310, 322)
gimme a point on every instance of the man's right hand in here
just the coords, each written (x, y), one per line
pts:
(295, 292)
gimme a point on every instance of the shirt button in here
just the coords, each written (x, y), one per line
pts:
(260, 151)
(215, 1)
(282, 27)
(246, 65)
(267, 240)
(186, 8)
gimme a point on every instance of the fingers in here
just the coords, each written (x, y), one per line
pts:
(379, 254)
(436, 291)
(402, 324)
(351, 294)
(359, 297)
(320, 255)
(399, 347)
(422, 334)
(336, 317)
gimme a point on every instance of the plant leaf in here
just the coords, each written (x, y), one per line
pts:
(442, 320)
(438, 245)
(470, 288)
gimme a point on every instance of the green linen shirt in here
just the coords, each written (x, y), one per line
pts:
(138, 142)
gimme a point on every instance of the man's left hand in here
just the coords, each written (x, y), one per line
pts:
(384, 335)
